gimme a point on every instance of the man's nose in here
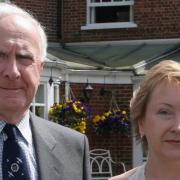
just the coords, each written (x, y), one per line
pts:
(11, 69)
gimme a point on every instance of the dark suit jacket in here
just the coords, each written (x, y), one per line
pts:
(62, 153)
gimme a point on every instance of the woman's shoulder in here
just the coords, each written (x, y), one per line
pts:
(124, 176)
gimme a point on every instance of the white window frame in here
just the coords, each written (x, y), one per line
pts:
(56, 93)
(91, 7)
(34, 104)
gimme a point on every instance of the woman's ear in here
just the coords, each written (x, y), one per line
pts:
(141, 127)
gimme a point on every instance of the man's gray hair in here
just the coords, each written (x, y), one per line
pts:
(10, 9)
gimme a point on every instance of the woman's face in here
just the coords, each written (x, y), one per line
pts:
(161, 124)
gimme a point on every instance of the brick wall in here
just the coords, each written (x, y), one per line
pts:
(47, 12)
(155, 19)
(120, 146)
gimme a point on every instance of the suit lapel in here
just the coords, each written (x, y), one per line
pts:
(50, 167)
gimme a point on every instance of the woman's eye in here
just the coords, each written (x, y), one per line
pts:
(165, 114)
(2, 55)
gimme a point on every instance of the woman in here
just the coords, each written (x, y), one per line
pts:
(155, 110)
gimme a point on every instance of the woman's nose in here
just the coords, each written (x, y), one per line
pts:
(176, 124)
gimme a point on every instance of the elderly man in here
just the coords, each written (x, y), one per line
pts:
(30, 147)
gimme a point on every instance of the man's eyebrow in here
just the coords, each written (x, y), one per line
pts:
(25, 52)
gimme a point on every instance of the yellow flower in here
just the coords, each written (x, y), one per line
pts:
(103, 118)
(123, 112)
(68, 100)
(76, 109)
(51, 111)
(96, 119)
(81, 126)
(59, 106)
(107, 113)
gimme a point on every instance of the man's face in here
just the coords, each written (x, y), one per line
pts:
(20, 63)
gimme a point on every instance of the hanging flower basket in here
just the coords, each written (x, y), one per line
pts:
(111, 121)
(72, 113)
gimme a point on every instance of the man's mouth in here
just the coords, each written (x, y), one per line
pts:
(10, 88)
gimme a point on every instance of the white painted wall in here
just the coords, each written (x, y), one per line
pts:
(137, 148)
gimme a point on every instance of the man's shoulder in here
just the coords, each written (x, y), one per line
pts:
(55, 129)
(124, 176)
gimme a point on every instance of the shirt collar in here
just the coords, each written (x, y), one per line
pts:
(2, 124)
(23, 126)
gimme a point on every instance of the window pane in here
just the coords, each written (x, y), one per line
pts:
(112, 14)
(39, 111)
(40, 94)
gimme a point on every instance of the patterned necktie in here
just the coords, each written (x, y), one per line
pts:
(14, 165)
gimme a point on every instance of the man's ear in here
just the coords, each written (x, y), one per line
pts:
(41, 67)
